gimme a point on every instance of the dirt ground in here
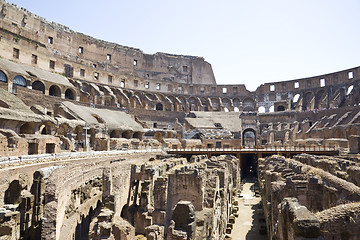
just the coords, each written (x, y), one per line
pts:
(250, 219)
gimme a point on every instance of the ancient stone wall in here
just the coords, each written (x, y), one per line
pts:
(301, 196)
(179, 200)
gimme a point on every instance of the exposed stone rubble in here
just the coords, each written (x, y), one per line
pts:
(310, 197)
(183, 200)
(85, 125)
(162, 198)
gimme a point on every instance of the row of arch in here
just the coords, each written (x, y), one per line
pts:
(54, 90)
(320, 99)
(114, 96)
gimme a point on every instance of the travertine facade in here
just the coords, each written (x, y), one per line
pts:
(85, 124)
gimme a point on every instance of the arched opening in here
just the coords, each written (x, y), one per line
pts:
(159, 107)
(271, 109)
(27, 128)
(261, 109)
(54, 91)
(115, 134)
(3, 77)
(349, 90)
(236, 109)
(39, 86)
(296, 98)
(69, 94)
(127, 134)
(137, 135)
(249, 138)
(280, 108)
(309, 101)
(249, 104)
(19, 81)
(226, 109)
(13, 193)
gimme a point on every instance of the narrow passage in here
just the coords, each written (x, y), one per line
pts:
(250, 224)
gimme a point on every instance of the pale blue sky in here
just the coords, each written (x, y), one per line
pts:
(246, 41)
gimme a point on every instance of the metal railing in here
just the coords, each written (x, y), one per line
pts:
(258, 149)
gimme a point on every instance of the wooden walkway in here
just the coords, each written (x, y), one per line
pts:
(260, 152)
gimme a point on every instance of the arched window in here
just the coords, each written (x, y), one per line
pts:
(54, 91)
(3, 77)
(137, 135)
(296, 98)
(127, 134)
(280, 108)
(27, 128)
(37, 85)
(271, 109)
(69, 94)
(261, 109)
(249, 137)
(159, 107)
(19, 81)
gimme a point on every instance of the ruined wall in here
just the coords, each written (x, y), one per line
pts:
(80, 56)
(174, 199)
(56, 199)
(319, 186)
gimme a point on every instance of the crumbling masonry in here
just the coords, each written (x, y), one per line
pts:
(86, 125)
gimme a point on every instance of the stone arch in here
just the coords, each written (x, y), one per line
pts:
(280, 108)
(249, 137)
(215, 102)
(137, 135)
(159, 107)
(47, 128)
(13, 193)
(205, 104)
(261, 109)
(27, 128)
(39, 86)
(115, 134)
(3, 77)
(55, 91)
(296, 98)
(127, 134)
(193, 104)
(19, 81)
(226, 103)
(321, 99)
(69, 94)
(183, 104)
(236, 102)
(272, 108)
(249, 104)
(349, 89)
(309, 101)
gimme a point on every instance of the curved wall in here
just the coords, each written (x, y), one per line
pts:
(101, 70)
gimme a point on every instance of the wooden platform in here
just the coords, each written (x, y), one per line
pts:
(260, 152)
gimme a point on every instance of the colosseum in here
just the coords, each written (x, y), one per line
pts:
(104, 141)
